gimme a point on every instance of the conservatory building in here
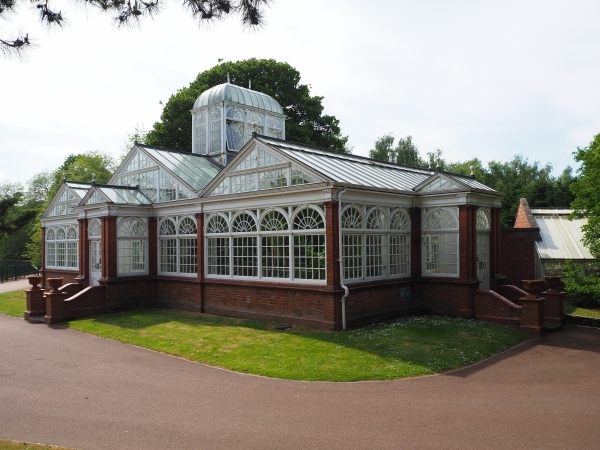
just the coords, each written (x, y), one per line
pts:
(252, 225)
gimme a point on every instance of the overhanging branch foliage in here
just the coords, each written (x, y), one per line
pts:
(128, 11)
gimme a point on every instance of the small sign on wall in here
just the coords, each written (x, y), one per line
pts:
(404, 292)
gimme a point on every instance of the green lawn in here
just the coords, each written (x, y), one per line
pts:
(407, 347)
(12, 303)
(572, 309)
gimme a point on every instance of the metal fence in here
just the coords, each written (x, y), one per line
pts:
(13, 269)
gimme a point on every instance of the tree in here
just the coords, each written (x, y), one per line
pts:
(382, 149)
(83, 167)
(587, 193)
(305, 121)
(129, 11)
(407, 153)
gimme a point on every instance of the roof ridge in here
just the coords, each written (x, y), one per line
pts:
(361, 159)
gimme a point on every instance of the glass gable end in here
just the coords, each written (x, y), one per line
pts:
(149, 174)
(261, 169)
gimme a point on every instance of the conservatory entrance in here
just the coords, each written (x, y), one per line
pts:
(95, 246)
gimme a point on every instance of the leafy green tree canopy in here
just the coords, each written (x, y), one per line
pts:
(305, 121)
(406, 151)
(587, 193)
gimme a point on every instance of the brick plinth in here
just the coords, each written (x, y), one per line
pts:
(36, 304)
(532, 315)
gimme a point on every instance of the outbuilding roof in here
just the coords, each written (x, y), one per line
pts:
(561, 238)
(237, 94)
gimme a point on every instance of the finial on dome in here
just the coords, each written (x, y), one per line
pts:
(228, 79)
(472, 169)
(249, 84)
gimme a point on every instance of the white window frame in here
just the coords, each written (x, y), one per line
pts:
(126, 237)
(52, 246)
(443, 232)
(290, 214)
(179, 239)
(363, 235)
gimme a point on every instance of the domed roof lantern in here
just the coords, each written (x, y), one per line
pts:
(225, 116)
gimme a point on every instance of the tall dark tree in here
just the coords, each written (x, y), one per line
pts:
(125, 12)
(305, 121)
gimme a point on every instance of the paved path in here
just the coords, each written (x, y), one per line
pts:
(67, 388)
(18, 285)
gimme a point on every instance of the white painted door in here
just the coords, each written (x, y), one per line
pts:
(483, 260)
(95, 261)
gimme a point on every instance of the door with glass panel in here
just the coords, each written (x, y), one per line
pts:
(95, 249)
(483, 247)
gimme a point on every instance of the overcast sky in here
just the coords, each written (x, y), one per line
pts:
(473, 78)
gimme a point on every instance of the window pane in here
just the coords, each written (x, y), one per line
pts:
(399, 254)
(276, 256)
(352, 248)
(244, 256)
(309, 257)
(374, 248)
(218, 256)
(168, 255)
(188, 248)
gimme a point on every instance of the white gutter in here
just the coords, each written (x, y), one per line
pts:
(341, 259)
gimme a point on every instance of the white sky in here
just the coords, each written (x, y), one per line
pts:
(487, 79)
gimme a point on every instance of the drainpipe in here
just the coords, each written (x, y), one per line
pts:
(340, 259)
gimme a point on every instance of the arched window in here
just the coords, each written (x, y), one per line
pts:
(309, 245)
(200, 132)
(244, 246)
(275, 244)
(377, 225)
(94, 229)
(353, 225)
(132, 246)
(399, 243)
(217, 245)
(177, 245)
(62, 247)
(440, 242)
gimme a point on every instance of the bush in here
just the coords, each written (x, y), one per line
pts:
(584, 289)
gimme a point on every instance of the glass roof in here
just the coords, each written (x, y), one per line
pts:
(237, 94)
(124, 195)
(361, 171)
(80, 189)
(195, 170)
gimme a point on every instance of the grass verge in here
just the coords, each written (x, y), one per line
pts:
(571, 308)
(12, 304)
(406, 347)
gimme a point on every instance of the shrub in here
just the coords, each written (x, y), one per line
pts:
(584, 289)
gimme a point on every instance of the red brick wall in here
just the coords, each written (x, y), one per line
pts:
(376, 301)
(68, 276)
(518, 254)
(280, 302)
(448, 296)
(179, 293)
(123, 293)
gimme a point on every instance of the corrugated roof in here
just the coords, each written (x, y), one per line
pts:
(360, 171)
(195, 170)
(561, 237)
(237, 94)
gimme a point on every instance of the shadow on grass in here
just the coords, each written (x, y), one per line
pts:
(422, 344)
